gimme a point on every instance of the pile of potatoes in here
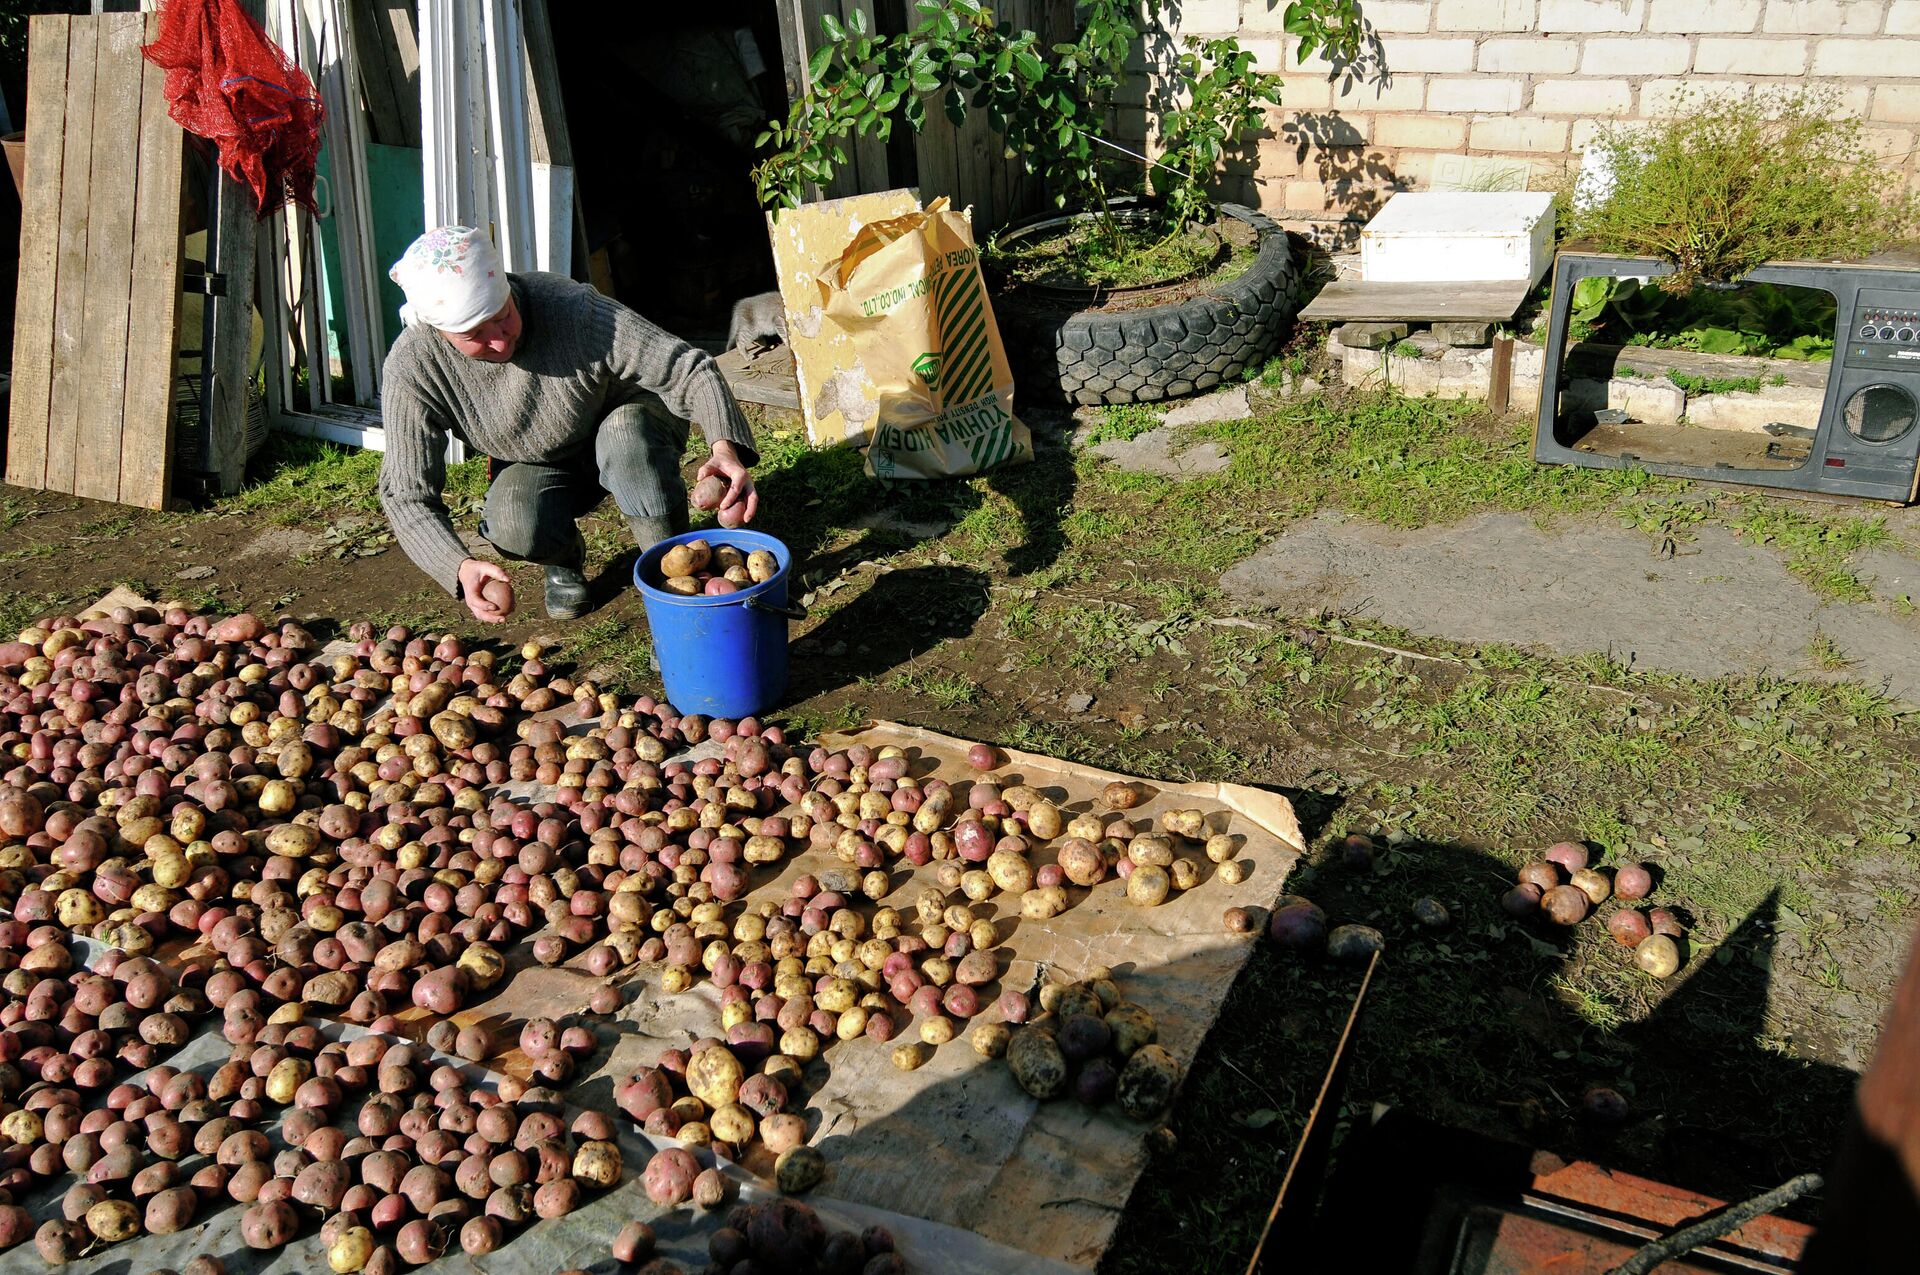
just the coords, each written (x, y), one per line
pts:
(398, 1158)
(783, 1235)
(697, 567)
(320, 837)
(1563, 887)
(1087, 1041)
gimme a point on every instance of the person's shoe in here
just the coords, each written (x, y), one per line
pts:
(568, 597)
(649, 531)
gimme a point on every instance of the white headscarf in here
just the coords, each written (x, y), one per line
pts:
(453, 279)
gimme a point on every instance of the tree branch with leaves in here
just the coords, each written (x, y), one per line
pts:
(1051, 105)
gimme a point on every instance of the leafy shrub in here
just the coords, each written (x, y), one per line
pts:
(1756, 319)
(1725, 185)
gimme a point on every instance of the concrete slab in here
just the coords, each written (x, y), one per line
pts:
(1223, 405)
(1723, 607)
(1752, 413)
(1156, 452)
(1890, 574)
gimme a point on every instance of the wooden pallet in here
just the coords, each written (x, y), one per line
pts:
(1348, 300)
(100, 264)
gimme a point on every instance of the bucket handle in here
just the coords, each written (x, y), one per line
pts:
(791, 613)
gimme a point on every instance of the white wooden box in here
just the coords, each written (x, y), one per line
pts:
(1448, 236)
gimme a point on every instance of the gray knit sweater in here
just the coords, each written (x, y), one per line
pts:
(581, 355)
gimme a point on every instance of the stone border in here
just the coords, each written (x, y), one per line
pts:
(1426, 364)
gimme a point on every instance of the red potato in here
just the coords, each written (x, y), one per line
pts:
(1570, 855)
(707, 493)
(669, 1176)
(269, 1225)
(499, 595)
(1633, 881)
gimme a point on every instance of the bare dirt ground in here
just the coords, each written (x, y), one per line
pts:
(1074, 606)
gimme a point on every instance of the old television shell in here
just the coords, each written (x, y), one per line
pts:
(1867, 443)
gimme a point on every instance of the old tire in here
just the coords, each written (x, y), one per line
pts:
(1158, 352)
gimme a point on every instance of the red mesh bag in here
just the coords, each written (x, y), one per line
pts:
(229, 83)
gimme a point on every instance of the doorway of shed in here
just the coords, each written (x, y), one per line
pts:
(663, 110)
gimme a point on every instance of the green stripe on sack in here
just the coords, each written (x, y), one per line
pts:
(991, 448)
(963, 337)
(964, 370)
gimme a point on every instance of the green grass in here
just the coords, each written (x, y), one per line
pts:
(1123, 422)
(617, 650)
(1826, 653)
(942, 688)
(18, 610)
(15, 510)
(300, 481)
(1408, 350)
(1696, 385)
(1398, 461)
(1818, 546)
(1084, 257)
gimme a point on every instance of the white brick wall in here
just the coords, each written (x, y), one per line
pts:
(1484, 15)
(1823, 17)
(1750, 57)
(1535, 81)
(1877, 59)
(1427, 53)
(1592, 15)
(1635, 55)
(1475, 93)
(1692, 17)
(1518, 133)
(1535, 54)
(1582, 97)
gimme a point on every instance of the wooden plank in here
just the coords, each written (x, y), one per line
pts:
(936, 153)
(399, 31)
(1349, 299)
(146, 453)
(373, 50)
(107, 312)
(226, 367)
(47, 37)
(768, 379)
(70, 283)
(868, 152)
(550, 142)
(976, 151)
(276, 315)
(1500, 388)
(325, 44)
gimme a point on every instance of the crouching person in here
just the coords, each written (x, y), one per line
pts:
(570, 395)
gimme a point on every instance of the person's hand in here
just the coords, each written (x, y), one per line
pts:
(486, 590)
(741, 498)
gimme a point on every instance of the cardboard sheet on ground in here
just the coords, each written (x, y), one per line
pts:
(957, 1143)
(972, 1175)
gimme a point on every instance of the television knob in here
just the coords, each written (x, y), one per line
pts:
(1867, 330)
(1903, 335)
(1886, 334)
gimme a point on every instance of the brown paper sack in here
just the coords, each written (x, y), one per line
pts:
(908, 293)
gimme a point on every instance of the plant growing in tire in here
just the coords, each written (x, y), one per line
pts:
(1142, 288)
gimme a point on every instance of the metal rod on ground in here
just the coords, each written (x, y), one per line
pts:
(1290, 1214)
(1731, 1218)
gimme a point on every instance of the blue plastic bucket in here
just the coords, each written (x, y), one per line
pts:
(725, 655)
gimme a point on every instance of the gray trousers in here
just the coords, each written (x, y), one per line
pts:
(532, 507)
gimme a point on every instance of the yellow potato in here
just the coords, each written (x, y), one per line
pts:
(762, 565)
